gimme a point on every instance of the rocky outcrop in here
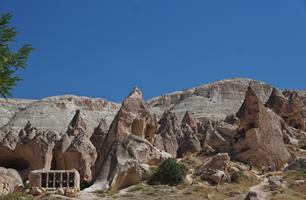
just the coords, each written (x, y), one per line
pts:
(190, 121)
(54, 113)
(260, 140)
(212, 101)
(27, 150)
(212, 140)
(190, 143)
(99, 135)
(290, 106)
(127, 146)
(169, 134)
(297, 164)
(215, 168)
(10, 181)
(75, 150)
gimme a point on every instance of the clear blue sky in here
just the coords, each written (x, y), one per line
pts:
(102, 48)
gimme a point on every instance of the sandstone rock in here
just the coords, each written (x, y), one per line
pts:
(252, 196)
(227, 129)
(75, 149)
(218, 177)
(187, 119)
(219, 161)
(260, 140)
(169, 133)
(215, 168)
(99, 135)
(213, 139)
(189, 143)
(275, 182)
(10, 180)
(54, 113)
(20, 152)
(131, 173)
(299, 183)
(297, 164)
(125, 161)
(212, 101)
(129, 140)
(289, 106)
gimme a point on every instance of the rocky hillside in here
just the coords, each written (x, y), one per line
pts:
(210, 101)
(54, 113)
(232, 139)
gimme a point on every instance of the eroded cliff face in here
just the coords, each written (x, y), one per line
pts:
(114, 145)
(212, 101)
(54, 113)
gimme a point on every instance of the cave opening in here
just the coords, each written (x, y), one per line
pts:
(18, 164)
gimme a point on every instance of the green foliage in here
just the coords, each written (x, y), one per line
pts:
(10, 61)
(15, 196)
(169, 172)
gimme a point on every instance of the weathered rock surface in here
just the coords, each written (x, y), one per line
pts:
(290, 106)
(10, 181)
(54, 113)
(260, 140)
(10, 107)
(29, 150)
(297, 164)
(128, 145)
(99, 135)
(212, 101)
(169, 134)
(75, 150)
(189, 143)
(215, 168)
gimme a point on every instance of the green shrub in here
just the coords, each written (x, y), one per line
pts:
(15, 196)
(169, 172)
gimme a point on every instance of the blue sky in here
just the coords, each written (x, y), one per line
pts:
(102, 48)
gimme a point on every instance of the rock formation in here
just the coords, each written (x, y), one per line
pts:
(169, 134)
(128, 145)
(215, 168)
(260, 140)
(213, 101)
(28, 150)
(189, 143)
(10, 181)
(75, 150)
(99, 135)
(290, 106)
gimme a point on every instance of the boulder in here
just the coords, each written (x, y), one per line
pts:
(297, 164)
(214, 176)
(260, 140)
(252, 196)
(10, 181)
(131, 173)
(275, 182)
(219, 161)
(213, 138)
(215, 169)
